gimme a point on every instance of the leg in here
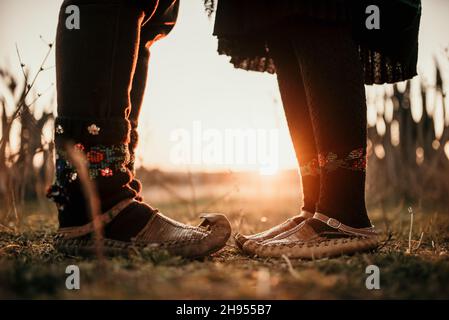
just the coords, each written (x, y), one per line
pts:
(95, 70)
(296, 110)
(336, 97)
(159, 24)
(293, 95)
(137, 93)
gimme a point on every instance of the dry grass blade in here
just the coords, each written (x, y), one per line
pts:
(420, 241)
(22, 65)
(386, 241)
(78, 159)
(409, 250)
(292, 271)
(2, 226)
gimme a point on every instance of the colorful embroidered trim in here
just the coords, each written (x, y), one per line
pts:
(102, 161)
(355, 160)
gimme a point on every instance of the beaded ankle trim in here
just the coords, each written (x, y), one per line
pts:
(101, 161)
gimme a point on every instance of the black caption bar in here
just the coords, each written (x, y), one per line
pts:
(208, 309)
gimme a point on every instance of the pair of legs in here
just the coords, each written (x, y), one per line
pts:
(101, 77)
(321, 84)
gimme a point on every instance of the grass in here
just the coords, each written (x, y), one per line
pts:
(31, 268)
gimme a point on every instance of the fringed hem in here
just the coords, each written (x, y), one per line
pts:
(377, 67)
(243, 36)
(380, 69)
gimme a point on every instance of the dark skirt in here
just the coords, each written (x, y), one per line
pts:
(388, 55)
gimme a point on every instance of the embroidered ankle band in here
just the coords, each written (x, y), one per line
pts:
(355, 160)
(104, 145)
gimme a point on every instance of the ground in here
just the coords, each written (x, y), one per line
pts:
(31, 268)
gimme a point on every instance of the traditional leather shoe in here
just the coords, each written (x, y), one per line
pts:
(160, 233)
(274, 231)
(304, 242)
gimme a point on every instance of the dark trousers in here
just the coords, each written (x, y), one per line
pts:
(102, 66)
(321, 84)
(101, 77)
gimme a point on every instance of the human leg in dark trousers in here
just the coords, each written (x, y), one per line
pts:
(158, 25)
(96, 69)
(333, 78)
(291, 86)
(333, 82)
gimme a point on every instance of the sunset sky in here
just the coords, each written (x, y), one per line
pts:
(190, 85)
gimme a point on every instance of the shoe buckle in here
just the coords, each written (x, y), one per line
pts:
(333, 223)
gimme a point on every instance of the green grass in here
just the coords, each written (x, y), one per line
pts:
(31, 268)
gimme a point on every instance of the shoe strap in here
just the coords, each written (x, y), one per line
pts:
(105, 218)
(335, 224)
(305, 214)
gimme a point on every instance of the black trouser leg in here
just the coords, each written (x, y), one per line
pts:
(159, 24)
(95, 67)
(296, 110)
(336, 97)
(137, 93)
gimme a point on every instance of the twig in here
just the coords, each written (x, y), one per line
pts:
(6, 227)
(420, 240)
(390, 236)
(409, 250)
(39, 95)
(28, 86)
(50, 44)
(22, 65)
(292, 271)
(77, 158)
(41, 68)
(9, 246)
(14, 208)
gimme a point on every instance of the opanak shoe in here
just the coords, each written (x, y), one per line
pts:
(274, 231)
(160, 233)
(304, 242)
